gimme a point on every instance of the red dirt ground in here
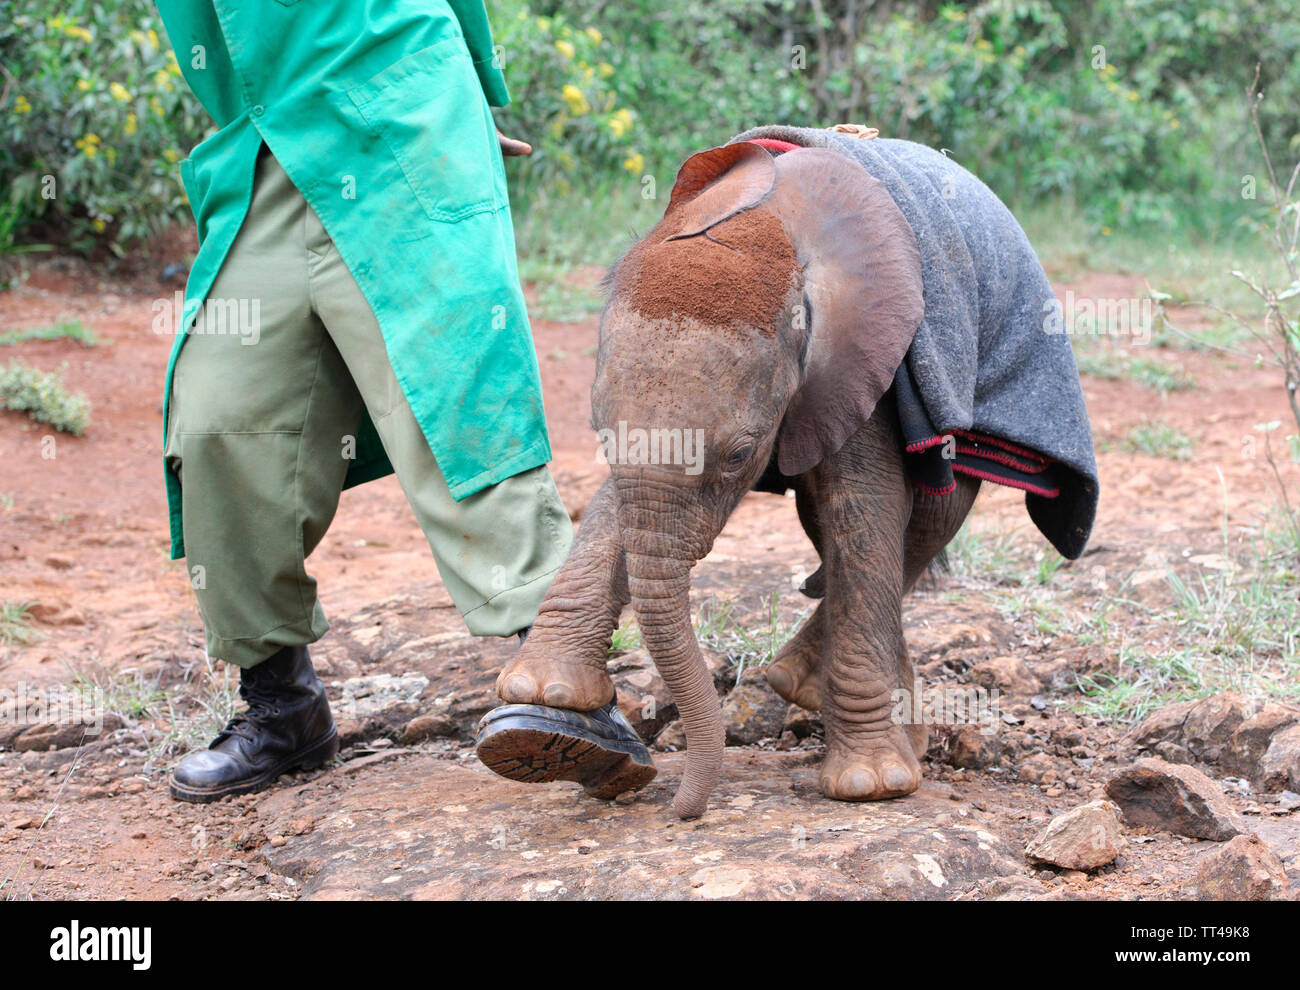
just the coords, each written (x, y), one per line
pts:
(86, 536)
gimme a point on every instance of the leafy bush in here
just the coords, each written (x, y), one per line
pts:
(1127, 111)
(93, 121)
(43, 396)
(562, 101)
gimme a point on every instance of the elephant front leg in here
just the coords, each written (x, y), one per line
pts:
(871, 753)
(562, 663)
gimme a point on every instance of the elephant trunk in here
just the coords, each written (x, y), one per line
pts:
(660, 586)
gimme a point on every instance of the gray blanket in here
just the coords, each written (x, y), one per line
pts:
(982, 362)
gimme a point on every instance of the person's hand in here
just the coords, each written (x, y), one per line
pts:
(512, 148)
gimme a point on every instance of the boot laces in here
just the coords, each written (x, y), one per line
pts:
(262, 708)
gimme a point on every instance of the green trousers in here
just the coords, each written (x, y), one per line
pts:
(263, 421)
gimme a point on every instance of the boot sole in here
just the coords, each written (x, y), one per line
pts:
(315, 755)
(533, 749)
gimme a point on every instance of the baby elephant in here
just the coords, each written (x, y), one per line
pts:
(750, 340)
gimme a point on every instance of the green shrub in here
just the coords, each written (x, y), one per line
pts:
(562, 100)
(42, 396)
(95, 120)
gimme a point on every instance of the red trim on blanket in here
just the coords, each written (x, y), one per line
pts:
(775, 146)
(1009, 482)
(1032, 455)
(917, 446)
(946, 490)
(1022, 459)
(1025, 467)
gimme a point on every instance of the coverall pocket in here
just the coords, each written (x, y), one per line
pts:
(430, 111)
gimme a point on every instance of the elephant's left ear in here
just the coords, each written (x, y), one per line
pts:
(862, 276)
(717, 184)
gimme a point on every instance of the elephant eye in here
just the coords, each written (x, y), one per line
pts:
(740, 457)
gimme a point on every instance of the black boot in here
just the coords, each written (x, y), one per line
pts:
(287, 725)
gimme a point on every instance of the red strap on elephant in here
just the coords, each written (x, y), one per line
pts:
(775, 146)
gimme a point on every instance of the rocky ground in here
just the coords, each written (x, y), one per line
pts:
(1061, 794)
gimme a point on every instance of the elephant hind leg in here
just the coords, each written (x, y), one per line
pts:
(793, 672)
(934, 522)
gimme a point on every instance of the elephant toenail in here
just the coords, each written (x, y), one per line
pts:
(897, 778)
(558, 695)
(859, 782)
(779, 679)
(520, 688)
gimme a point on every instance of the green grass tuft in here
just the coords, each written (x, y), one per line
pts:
(43, 396)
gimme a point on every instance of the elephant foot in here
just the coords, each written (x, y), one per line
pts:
(875, 769)
(793, 674)
(537, 677)
(918, 735)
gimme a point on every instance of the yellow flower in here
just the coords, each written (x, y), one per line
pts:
(588, 74)
(557, 126)
(54, 22)
(111, 155)
(605, 70)
(88, 145)
(153, 38)
(172, 155)
(163, 80)
(138, 37)
(155, 106)
(21, 105)
(595, 35)
(578, 104)
(83, 85)
(1131, 95)
(983, 44)
(73, 31)
(634, 163)
(1174, 125)
(565, 48)
(131, 123)
(543, 23)
(99, 225)
(119, 92)
(1106, 231)
(621, 121)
